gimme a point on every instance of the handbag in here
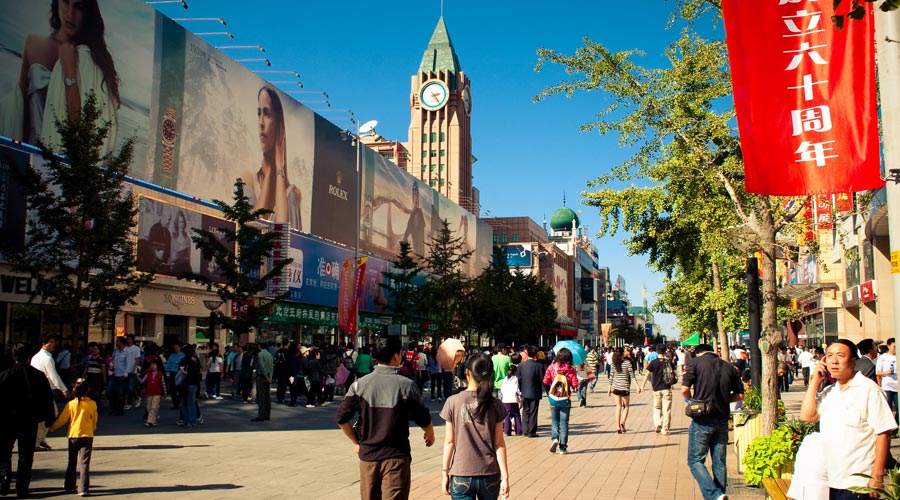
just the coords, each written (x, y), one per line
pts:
(697, 408)
(179, 378)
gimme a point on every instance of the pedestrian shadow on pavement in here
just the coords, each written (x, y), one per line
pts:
(151, 447)
(100, 491)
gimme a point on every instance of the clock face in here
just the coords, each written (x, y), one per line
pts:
(433, 95)
(168, 130)
(467, 100)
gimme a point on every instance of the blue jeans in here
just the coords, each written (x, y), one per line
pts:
(475, 487)
(704, 439)
(892, 402)
(189, 404)
(559, 425)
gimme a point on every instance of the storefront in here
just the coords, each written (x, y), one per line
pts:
(164, 315)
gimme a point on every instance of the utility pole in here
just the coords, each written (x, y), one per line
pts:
(887, 37)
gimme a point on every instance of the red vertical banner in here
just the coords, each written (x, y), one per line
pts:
(349, 286)
(804, 93)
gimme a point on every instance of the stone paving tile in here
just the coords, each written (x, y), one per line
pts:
(301, 454)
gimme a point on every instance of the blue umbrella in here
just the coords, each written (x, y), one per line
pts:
(577, 350)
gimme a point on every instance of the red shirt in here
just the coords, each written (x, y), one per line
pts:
(155, 383)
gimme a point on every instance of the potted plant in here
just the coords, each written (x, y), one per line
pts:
(747, 422)
(772, 456)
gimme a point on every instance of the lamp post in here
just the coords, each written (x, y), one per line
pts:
(181, 19)
(156, 2)
(212, 306)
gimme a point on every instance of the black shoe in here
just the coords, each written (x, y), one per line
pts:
(257, 419)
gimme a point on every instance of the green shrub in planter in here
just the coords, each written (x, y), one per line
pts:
(767, 455)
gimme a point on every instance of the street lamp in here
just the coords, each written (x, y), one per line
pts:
(365, 128)
(182, 2)
(262, 60)
(214, 19)
(212, 305)
(216, 33)
(254, 47)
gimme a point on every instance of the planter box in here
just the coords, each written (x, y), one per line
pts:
(746, 429)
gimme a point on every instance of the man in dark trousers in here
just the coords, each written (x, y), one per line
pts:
(531, 376)
(27, 400)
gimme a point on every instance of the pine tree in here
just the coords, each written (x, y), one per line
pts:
(79, 247)
(400, 289)
(238, 280)
(445, 294)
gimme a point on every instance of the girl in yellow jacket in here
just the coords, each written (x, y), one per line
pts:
(81, 413)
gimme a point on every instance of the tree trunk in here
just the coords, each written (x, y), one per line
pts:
(720, 314)
(771, 337)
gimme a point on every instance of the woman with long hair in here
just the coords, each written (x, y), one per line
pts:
(269, 187)
(623, 374)
(57, 73)
(561, 406)
(180, 254)
(474, 460)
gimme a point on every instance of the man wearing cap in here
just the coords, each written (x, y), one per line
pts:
(385, 401)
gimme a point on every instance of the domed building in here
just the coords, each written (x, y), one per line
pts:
(561, 222)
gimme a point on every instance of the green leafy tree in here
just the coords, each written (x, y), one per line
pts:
(240, 274)
(80, 248)
(686, 174)
(539, 303)
(402, 293)
(446, 291)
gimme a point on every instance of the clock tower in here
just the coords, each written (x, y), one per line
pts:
(440, 139)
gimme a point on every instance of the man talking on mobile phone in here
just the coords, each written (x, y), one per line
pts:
(856, 420)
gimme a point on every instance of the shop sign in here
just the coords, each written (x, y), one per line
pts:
(851, 297)
(867, 291)
(15, 287)
(304, 314)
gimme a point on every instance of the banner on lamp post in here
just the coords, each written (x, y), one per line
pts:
(352, 272)
(605, 328)
(804, 93)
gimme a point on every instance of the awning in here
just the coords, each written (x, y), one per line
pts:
(805, 291)
(565, 332)
(692, 340)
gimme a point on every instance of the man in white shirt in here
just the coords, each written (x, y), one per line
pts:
(807, 360)
(884, 369)
(44, 362)
(135, 355)
(855, 419)
(122, 365)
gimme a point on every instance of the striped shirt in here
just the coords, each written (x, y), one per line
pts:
(622, 379)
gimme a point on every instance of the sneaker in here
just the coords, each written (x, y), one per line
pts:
(658, 429)
(553, 445)
(563, 452)
(147, 424)
(723, 497)
(663, 432)
(127, 407)
(180, 422)
(84, 494)
(200, 419)
(137, 404)
(310, 406)
(217, 397)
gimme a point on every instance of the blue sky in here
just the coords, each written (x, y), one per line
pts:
(529, 154)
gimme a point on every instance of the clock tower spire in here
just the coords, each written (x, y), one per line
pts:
(440, 140)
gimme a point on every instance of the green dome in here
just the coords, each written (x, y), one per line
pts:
(561, 220)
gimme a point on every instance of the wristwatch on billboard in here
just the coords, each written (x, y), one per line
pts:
(168, 139)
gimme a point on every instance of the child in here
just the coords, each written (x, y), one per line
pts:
(509, 391)
(155, 391)
(81, 413)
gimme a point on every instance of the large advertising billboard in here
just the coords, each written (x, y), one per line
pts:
(202, 120)
(164, 239)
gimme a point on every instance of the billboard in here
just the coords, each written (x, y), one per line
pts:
(12, 203)
(164, 239)
(518, 255)
(202, 120)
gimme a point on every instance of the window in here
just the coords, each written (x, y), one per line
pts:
(431, 183)
(443, 153)
(504, 239)
(424, 153)
(442, 137)
(424, 137)
(441, 182)
(496, 239)
(433, 137)
(389, 156)
(515, 238)
(431, 168)
(433, 153)
(441, 167)
(423, 169)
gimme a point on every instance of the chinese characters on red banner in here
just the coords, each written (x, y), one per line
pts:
(348, 293)
(805, 97)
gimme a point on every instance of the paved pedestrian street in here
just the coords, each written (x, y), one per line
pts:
(302, 454)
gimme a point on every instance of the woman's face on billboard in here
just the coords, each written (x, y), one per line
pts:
(268, 127)
(71, 14)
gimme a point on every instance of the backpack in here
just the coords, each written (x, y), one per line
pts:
(668, 377)
(559, 392)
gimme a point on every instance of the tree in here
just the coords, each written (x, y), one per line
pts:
(538, 301)
(444, 296)
(687, 160)
(240, 277)
(856, 9)
(79, 246)
(495, 308)
(402, 293)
